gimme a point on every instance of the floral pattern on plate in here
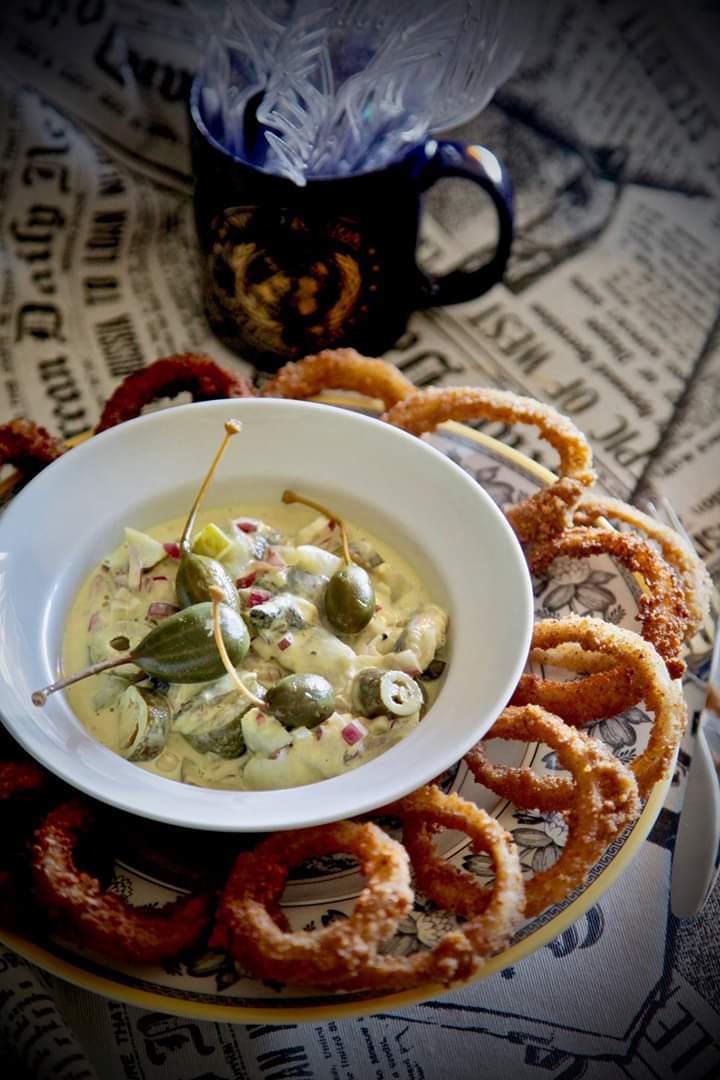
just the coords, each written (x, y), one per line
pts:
(323, 890)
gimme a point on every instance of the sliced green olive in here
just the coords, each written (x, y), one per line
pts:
(301, 700)
(143, 722)
(376, 692)
(349, 599)
(214, 726)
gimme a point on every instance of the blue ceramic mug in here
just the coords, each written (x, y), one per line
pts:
(290, 270)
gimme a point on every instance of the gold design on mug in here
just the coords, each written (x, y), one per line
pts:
(290, 285)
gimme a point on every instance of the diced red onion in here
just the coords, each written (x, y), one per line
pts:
(246, 582)
(353, 732)
(160, 577)
(246, 526)
(258, 597)
(284, 644)
(273, 559)
(318, 732)
(160, 610)
(95, 620)
(260, 718)
(172, 549)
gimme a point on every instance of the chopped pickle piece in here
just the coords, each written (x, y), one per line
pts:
(211, 541)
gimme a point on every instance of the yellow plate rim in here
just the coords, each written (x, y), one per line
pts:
(198, 1010)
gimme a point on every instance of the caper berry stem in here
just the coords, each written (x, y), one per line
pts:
(39, 697)
(8, 485)
(232, 427)
(293, 497)
(216, 595)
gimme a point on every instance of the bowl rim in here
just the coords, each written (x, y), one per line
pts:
(62, 764)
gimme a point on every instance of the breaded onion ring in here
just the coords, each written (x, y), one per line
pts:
(340, 369)
(523, 787)
(661, 695)
(101, 920)
(336, 953)
(22, 784)
(598, 697)
(167, 377)
(547, 511)
(492, 913)
(601, 798)
(662, 607)
(693, 574)
(607, 691)
(21, 778)
(29, 448)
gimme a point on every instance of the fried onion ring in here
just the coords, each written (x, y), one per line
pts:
(23, 784)
(525, 788)
(598, 697)
(608, 690)
(167, 377)
(662, 695)
(662, 607)
(101, 920)
(598, 802)
(29, 448)
(492, 913)
(545, 512)
(693, 574)
(340, 369)
(321, 957)
(21, 778)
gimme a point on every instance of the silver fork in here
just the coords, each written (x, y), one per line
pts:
(696, 854)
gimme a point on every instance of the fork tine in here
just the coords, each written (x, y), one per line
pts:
(701, 644)
(674, 520)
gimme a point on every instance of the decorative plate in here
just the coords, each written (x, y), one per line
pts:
(209, 985)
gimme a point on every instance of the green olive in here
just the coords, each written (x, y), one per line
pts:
(376, 692)
(197, 574)
(301, 700)
(349, 599)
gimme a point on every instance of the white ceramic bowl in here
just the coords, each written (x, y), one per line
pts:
(146, 471)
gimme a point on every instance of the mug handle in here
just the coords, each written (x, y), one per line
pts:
(444, 159)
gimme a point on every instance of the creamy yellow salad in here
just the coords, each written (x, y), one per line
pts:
(325, 702)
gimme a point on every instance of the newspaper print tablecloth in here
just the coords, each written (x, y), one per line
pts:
(609, 310)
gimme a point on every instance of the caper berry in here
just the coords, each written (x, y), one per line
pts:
(197, 574)
(182, 649)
